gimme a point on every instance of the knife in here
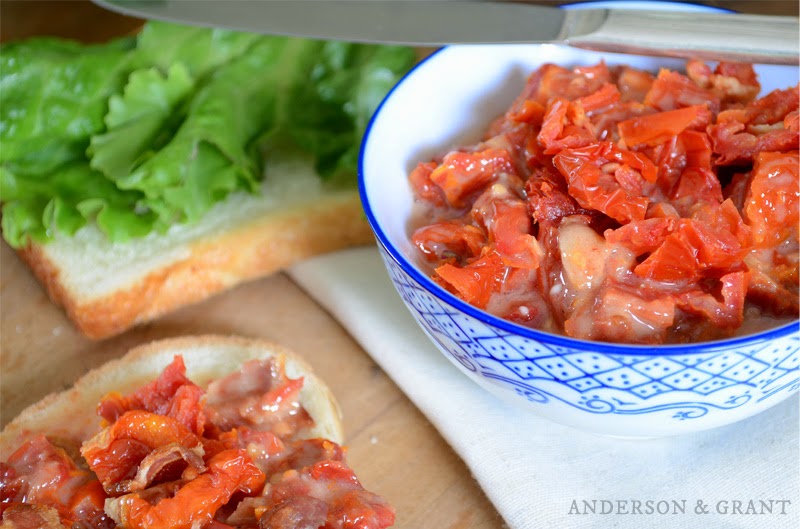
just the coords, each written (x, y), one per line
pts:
(716, 36)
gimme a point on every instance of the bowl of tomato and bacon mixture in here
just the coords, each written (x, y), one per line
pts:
(610, 240)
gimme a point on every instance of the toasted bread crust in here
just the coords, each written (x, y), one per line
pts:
(71, 413)
(256, 249)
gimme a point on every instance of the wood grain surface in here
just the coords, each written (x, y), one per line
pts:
(394, 449)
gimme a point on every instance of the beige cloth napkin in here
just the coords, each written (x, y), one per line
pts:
(538, 474)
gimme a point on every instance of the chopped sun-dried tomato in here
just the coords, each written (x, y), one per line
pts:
(591, 173)
(505, 219)
(772, 206)
(476, 281)
(654, 129)
(171, 394)
(463, 173)
(673, 197)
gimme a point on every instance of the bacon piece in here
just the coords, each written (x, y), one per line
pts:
(449, 242)
(116, 452)
(672, 90)
(295, 512)
(29, 516)
(583, 255)
(773, 283)
(727, 313)
(246, 514)
(548, 197)
(330, 484)
(41, 473)
(259, 396)
(621, 314)
(767, 124)
(195, 504)
(165, 463)
(731, 82)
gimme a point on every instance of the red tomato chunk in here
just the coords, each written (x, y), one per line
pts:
(612, 204)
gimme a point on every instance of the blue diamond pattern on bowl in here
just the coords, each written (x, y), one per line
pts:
(692, 386)
(592, 363)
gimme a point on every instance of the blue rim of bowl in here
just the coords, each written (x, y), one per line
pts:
(527, 332)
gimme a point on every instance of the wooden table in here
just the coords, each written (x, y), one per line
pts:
(394, 449)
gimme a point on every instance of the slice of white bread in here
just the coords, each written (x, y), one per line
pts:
(106, 288)
(71, 413)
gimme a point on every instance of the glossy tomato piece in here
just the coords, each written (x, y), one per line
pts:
(633, 84)
(725, 308)
(772, 207)
(461, 174)
(643, 236)
(114, 453)
(689, 252)
(559, 132)
(505, 219)
(476, 282)
(171, 394)
(658, 128)
(591, 175)
(423, 186)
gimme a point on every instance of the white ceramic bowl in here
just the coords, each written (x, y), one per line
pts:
(624, 390)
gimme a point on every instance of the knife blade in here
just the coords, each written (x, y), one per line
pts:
(751, 38)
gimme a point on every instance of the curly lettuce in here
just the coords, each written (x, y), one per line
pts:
(142, 133)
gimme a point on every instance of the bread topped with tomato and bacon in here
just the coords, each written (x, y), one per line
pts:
(204, 432)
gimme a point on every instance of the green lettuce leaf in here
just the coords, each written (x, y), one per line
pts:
(211, 154)
(329, 115)
(140, 121)
(38, 208)
(201, 50)
(54, 96)
(143, 133)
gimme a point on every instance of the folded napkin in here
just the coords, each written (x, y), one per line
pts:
(538, 473)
